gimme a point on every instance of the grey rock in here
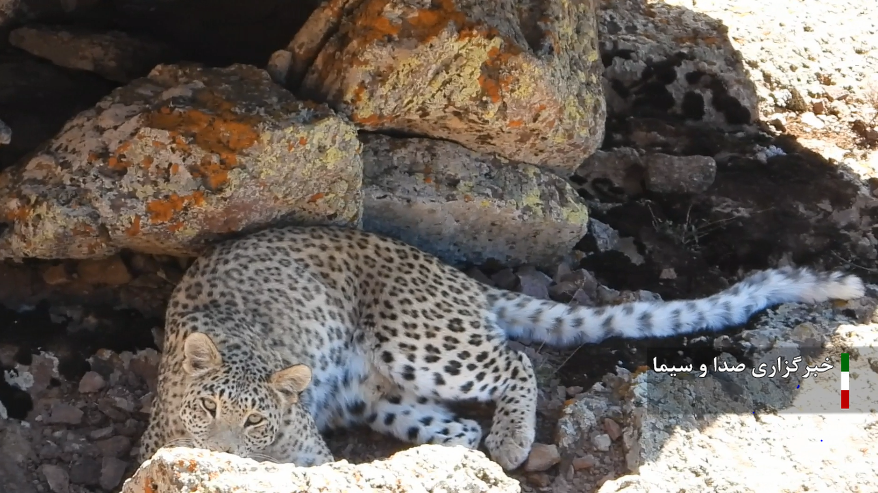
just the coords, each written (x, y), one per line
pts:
(56, 477)
(117, 446)
(85, 471)
(15, 454)
(533, 282)
(617, 173)
(112, 472)
(65, 414)
(427, 468)
(602, 442)
(467, 207)
(91, 382)
(679, 174)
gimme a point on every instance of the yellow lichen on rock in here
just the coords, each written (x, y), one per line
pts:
(176, 160)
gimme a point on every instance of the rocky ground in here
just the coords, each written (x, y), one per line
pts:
(677, 209)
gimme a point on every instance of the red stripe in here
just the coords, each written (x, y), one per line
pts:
(845, 399)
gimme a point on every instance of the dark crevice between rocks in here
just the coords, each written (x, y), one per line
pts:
(218, 33)
(37, 98)
(37, 330)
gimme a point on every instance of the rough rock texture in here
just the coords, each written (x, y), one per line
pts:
(467, 207)
(178, 159)
(114, 55)
(660, 58)
(518, 80)
(624, 173)
(679, 174)
(612, 174)
(428, 468)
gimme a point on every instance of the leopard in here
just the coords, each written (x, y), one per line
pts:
(277, 337)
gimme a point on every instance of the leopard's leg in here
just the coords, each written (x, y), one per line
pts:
(421, 420)
(477, 364)
(387, 408)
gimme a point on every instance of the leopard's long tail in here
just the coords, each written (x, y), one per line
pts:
(558, 324)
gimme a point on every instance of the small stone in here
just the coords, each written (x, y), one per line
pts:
(573, 391)
(534, 283)
(124, 404)
(101, 433)
(49, 451)
(668, 274)
(111, 270)
(57, 477)
(505, 279)
(602, 442)
(107, 405)
(679, 174)
(146, 403)
(91, 382)
(581, 463)
(818, 107)
(812, 121)
(85, 471)
(480, 276)
(612, 428)
(65, 414)
(542, 457)
(112, 472)
(117, 446)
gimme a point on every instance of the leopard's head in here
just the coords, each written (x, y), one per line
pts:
(230, 406)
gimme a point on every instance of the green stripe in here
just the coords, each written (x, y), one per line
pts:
(845, 361)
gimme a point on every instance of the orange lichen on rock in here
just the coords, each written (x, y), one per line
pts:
(370, 25)
(19, 213)
(223, 133)
(134, 229)
(162, 210)
(426, 24)
(490, 87)
(317, 196)
(215, 174)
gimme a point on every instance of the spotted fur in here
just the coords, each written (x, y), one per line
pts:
(275, 337)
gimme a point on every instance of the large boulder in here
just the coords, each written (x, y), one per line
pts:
(428, 469)
(519, 80)
(177, 159)
(466, 207)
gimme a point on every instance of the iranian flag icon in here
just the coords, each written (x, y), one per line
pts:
(845, 381)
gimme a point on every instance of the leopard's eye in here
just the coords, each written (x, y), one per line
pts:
(254, 419)
(209, 405)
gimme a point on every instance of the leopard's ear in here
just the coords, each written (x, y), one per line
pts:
(290, 381)
(200, 354)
